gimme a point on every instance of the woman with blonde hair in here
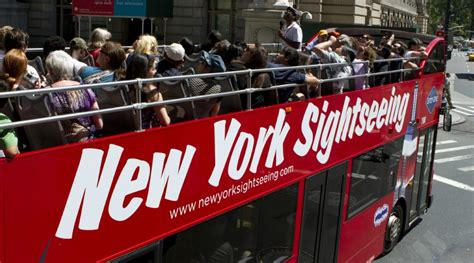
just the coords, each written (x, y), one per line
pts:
(147, 44)
(97, 39)
(14, 68)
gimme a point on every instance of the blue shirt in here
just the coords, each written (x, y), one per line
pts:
(282, 77)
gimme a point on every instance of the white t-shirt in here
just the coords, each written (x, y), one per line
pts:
(294, 33)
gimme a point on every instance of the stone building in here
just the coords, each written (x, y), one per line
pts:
(250, 20)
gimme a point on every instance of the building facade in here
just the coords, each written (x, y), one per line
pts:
(250, 20)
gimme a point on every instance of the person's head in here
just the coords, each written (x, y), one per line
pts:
(398, 48)
(214, 37)
(53, 43)
(288, 57)
(174, 53)
(448, 75)
(111, 56)
(188, 45)
(221, 48)
(99, 37)
(3, 32)
(342, 40)
(255, 56)
(291, 14)
(147, 44)
(16, 39)
(209, 62)
(322, 36)
(14, 66)
(78, 48)
(414, 44)
(59, 66)
(141, 66)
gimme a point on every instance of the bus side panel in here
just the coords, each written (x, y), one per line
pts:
(430, 97)
(98, 200)
(362, 236)
(2, 211)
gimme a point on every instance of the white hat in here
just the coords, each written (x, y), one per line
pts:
(175, 52)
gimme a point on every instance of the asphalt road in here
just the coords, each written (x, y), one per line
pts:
(446, 232)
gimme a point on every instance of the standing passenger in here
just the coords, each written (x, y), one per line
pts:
(291, 33)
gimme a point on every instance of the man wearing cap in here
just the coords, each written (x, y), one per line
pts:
(174, 58)
(322, 36)
(291, 34)
(79, 51)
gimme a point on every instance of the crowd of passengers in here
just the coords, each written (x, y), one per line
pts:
(101, 60)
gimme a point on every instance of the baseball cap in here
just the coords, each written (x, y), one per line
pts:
(78, 43)
(213, 61)
(294, 11)
(322, 32)
(175, 52)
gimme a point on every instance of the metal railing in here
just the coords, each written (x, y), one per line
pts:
(139, 84)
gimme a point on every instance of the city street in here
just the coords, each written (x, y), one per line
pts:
(446, 232)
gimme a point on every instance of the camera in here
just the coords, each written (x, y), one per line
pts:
(31, 78)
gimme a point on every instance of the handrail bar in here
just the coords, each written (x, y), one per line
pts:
(143, 105)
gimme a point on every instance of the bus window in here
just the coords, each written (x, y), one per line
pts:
(435, 62)
(261, 231)
(373, 175)
(148, 254)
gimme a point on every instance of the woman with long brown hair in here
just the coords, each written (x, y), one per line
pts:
(15, 63)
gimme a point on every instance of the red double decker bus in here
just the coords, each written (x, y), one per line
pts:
(336, 178)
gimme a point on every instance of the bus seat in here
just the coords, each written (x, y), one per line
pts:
(229, 103)
(188, 71)
(191, 61)
(44, 135)
(118, 122)
(178, 112)
(37, 63)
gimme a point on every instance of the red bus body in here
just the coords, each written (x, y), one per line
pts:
(99, 200)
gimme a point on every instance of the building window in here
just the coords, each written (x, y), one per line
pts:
(222, 17)
(64, 19)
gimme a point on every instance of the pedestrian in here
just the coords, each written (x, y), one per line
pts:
(446, 92)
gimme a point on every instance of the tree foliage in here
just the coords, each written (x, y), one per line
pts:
(462, 14)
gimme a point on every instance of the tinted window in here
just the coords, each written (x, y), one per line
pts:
(261, 231)
(435, 62)
(373, 175)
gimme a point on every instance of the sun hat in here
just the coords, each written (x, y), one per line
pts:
(213, 61)
(175, 52)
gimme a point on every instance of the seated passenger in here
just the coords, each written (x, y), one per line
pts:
(197, 86)
(337, 50)
(174, 58)
(8, 138)
(15, 71)
(60, 71)
(143, 66)
(110, 62)
(80, 54)
(145, 44)
(361, 67)
(286, 58)
(98, 37)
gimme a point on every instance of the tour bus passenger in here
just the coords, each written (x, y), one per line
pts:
(8, 138)
(79, 51)
(321, 37)
(61, 73)
(53, 43)
(255, 56)
(110, 64)
(173, 59)
(361, 67)
(143, 66)
(145, 44)
(197, 86)
(337, 50)
(289, 57)
(98, 38)
(3, 32)
(188, 46)
(214, 37)
(290, 31)
(17, 39)
(14, 70)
